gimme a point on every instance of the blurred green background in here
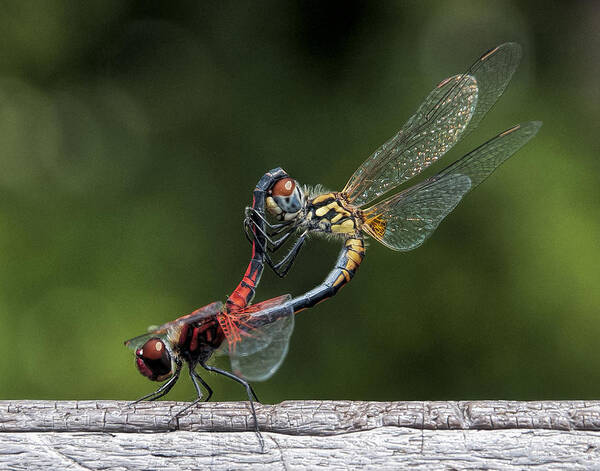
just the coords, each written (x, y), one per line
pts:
(132, 135)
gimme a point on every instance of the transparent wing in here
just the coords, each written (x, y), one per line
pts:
(419, 143)
(137, 342)
(406, 220)
(454, 108)
(260, 311)
(200, 313)
(262, 364)
(258, 338)
(244, 329)
(208, 310)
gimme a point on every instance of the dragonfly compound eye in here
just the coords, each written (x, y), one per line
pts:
(284, 187)
(153, 360)
(286, 197)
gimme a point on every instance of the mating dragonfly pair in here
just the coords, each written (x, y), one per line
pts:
(256, 336)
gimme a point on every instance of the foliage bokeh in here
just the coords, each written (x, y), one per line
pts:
(132, 135)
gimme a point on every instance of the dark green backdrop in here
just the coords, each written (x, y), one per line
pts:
(132, 134)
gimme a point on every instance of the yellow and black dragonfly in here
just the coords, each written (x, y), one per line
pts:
(404, 220)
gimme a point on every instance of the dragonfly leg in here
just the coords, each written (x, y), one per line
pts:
(164, 389)
(243, 382)
(275, 244)
(272, 229)
(249, 391)
(248, 231)
(252, 226)
(281, 228)
(261, 245)
(250, 211)
(260, 242)
(206, 386)
(287, 261)
(195, 377)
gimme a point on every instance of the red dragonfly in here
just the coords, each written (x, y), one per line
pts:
(404, 220)
(255, 337)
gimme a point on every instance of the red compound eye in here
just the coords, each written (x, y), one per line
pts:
(153, 360)
(153, 349)
(284, 187)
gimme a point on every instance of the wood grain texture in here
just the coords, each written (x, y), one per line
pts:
(301, 435)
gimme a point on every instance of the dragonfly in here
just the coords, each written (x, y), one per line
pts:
(255, 336)
(402, 220)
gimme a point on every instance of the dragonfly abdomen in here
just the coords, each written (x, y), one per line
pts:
(346, 266)
(244, 292)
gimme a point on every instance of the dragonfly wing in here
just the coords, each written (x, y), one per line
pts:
(140, 340)
(454, 108)
(406, 220)
(247, 331)
(419, 143)
(260, 310)
(262, 364)
(258, 337)
(208, 310)
(200, 313)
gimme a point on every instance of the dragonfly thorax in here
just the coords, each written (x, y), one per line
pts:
(329, 213)
(197, 341)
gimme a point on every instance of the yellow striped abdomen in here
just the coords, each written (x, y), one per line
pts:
(355, 252)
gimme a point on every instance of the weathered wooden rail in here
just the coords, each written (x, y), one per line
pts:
(89, 435)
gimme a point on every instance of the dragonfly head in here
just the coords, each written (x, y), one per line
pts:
(154, 360)
(285, 199)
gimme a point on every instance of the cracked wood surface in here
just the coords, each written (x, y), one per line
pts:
(301, 435)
